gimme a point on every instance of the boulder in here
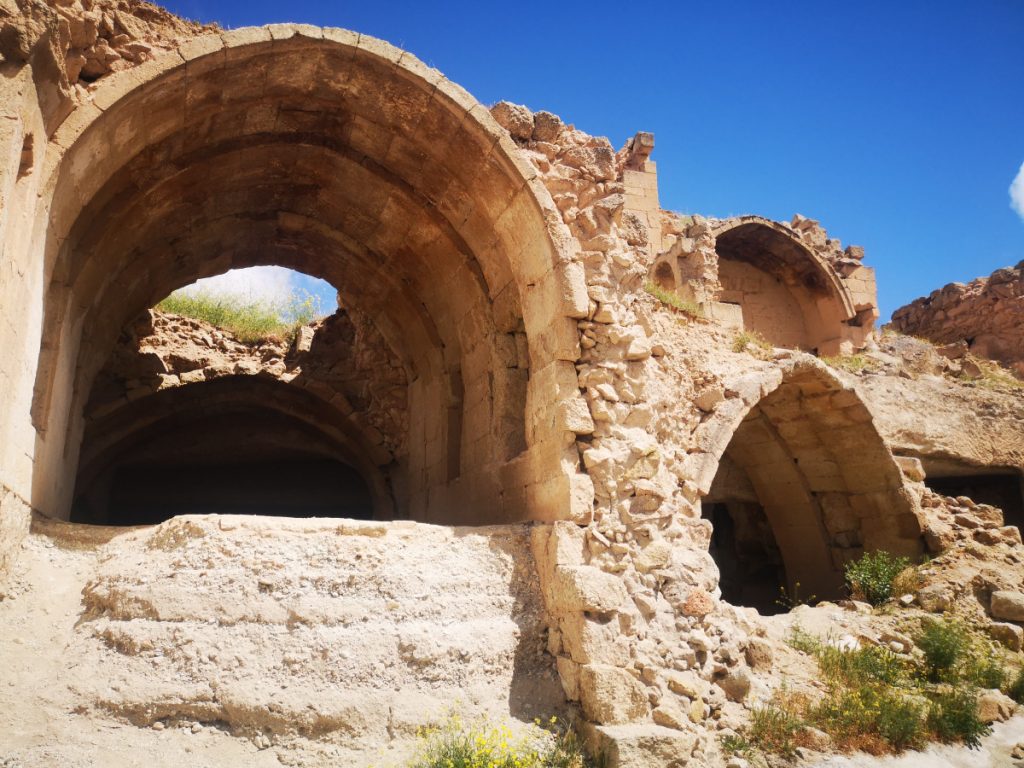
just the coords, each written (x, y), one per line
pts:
(1007, 605)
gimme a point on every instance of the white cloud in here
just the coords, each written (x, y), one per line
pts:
(269, 284)
(1017, 192)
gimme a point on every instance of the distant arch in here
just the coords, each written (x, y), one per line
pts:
(785, 291)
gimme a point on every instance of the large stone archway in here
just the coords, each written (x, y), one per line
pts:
(346, 158)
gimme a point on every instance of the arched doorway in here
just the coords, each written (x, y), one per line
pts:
(803, 484)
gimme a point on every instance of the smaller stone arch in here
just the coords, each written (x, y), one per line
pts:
(796, 482)
(780, 288)
(285, 428)
(664, 276)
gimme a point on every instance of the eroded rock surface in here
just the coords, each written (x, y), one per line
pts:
(320, 640)
(987, 314)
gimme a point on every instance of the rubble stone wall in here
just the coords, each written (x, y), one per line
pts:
(986, 313)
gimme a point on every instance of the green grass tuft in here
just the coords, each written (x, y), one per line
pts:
(673, 300)
(752, 342)
(249, 320)
(850, 363)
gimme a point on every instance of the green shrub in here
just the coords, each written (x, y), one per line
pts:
(985, 671)
(871, 716)
(454, 744)
(945, 644)
(870, 664)
(953, 716)
(249, 320)
(774, 728)
(871, 577)
(900, 722)
(1015, 690)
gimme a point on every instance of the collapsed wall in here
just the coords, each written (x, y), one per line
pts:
(987, 314)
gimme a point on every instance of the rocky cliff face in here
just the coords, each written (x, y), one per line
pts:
(987, 314)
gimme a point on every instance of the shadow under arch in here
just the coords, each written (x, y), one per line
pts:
(801, 482)
(234, 421)
(783, 290)
(343, 157)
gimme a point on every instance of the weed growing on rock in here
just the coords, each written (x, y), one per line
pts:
(752, 342)
(871, 577)
(879, 701)
(673, 300)
(850, 363)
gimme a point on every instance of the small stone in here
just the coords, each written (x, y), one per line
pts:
(698, 603)
(514, 118)
(995, 707)
(1010, 635)
(759, 653)
(197, 727)
(736, 684)
(815, 739)
(934, 598)
(671, 715)
(158, 725)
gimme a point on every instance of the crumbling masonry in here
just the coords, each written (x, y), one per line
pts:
(499, 362)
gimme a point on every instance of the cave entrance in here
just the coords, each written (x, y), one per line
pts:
(235, 395)
(145, 494)
(804, 485)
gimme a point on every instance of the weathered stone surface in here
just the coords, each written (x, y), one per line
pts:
(1010, 635)
(985, 315)
(610, 695)
(1008, 605)
(645, 746)
(995, 707)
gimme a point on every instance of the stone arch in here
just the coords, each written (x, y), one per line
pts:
(296, 422)
(339, 155)
(797, 455)
(784, 290)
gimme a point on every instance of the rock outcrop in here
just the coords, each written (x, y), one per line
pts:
(986, 314)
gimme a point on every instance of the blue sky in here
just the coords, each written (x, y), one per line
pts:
(899, 125)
